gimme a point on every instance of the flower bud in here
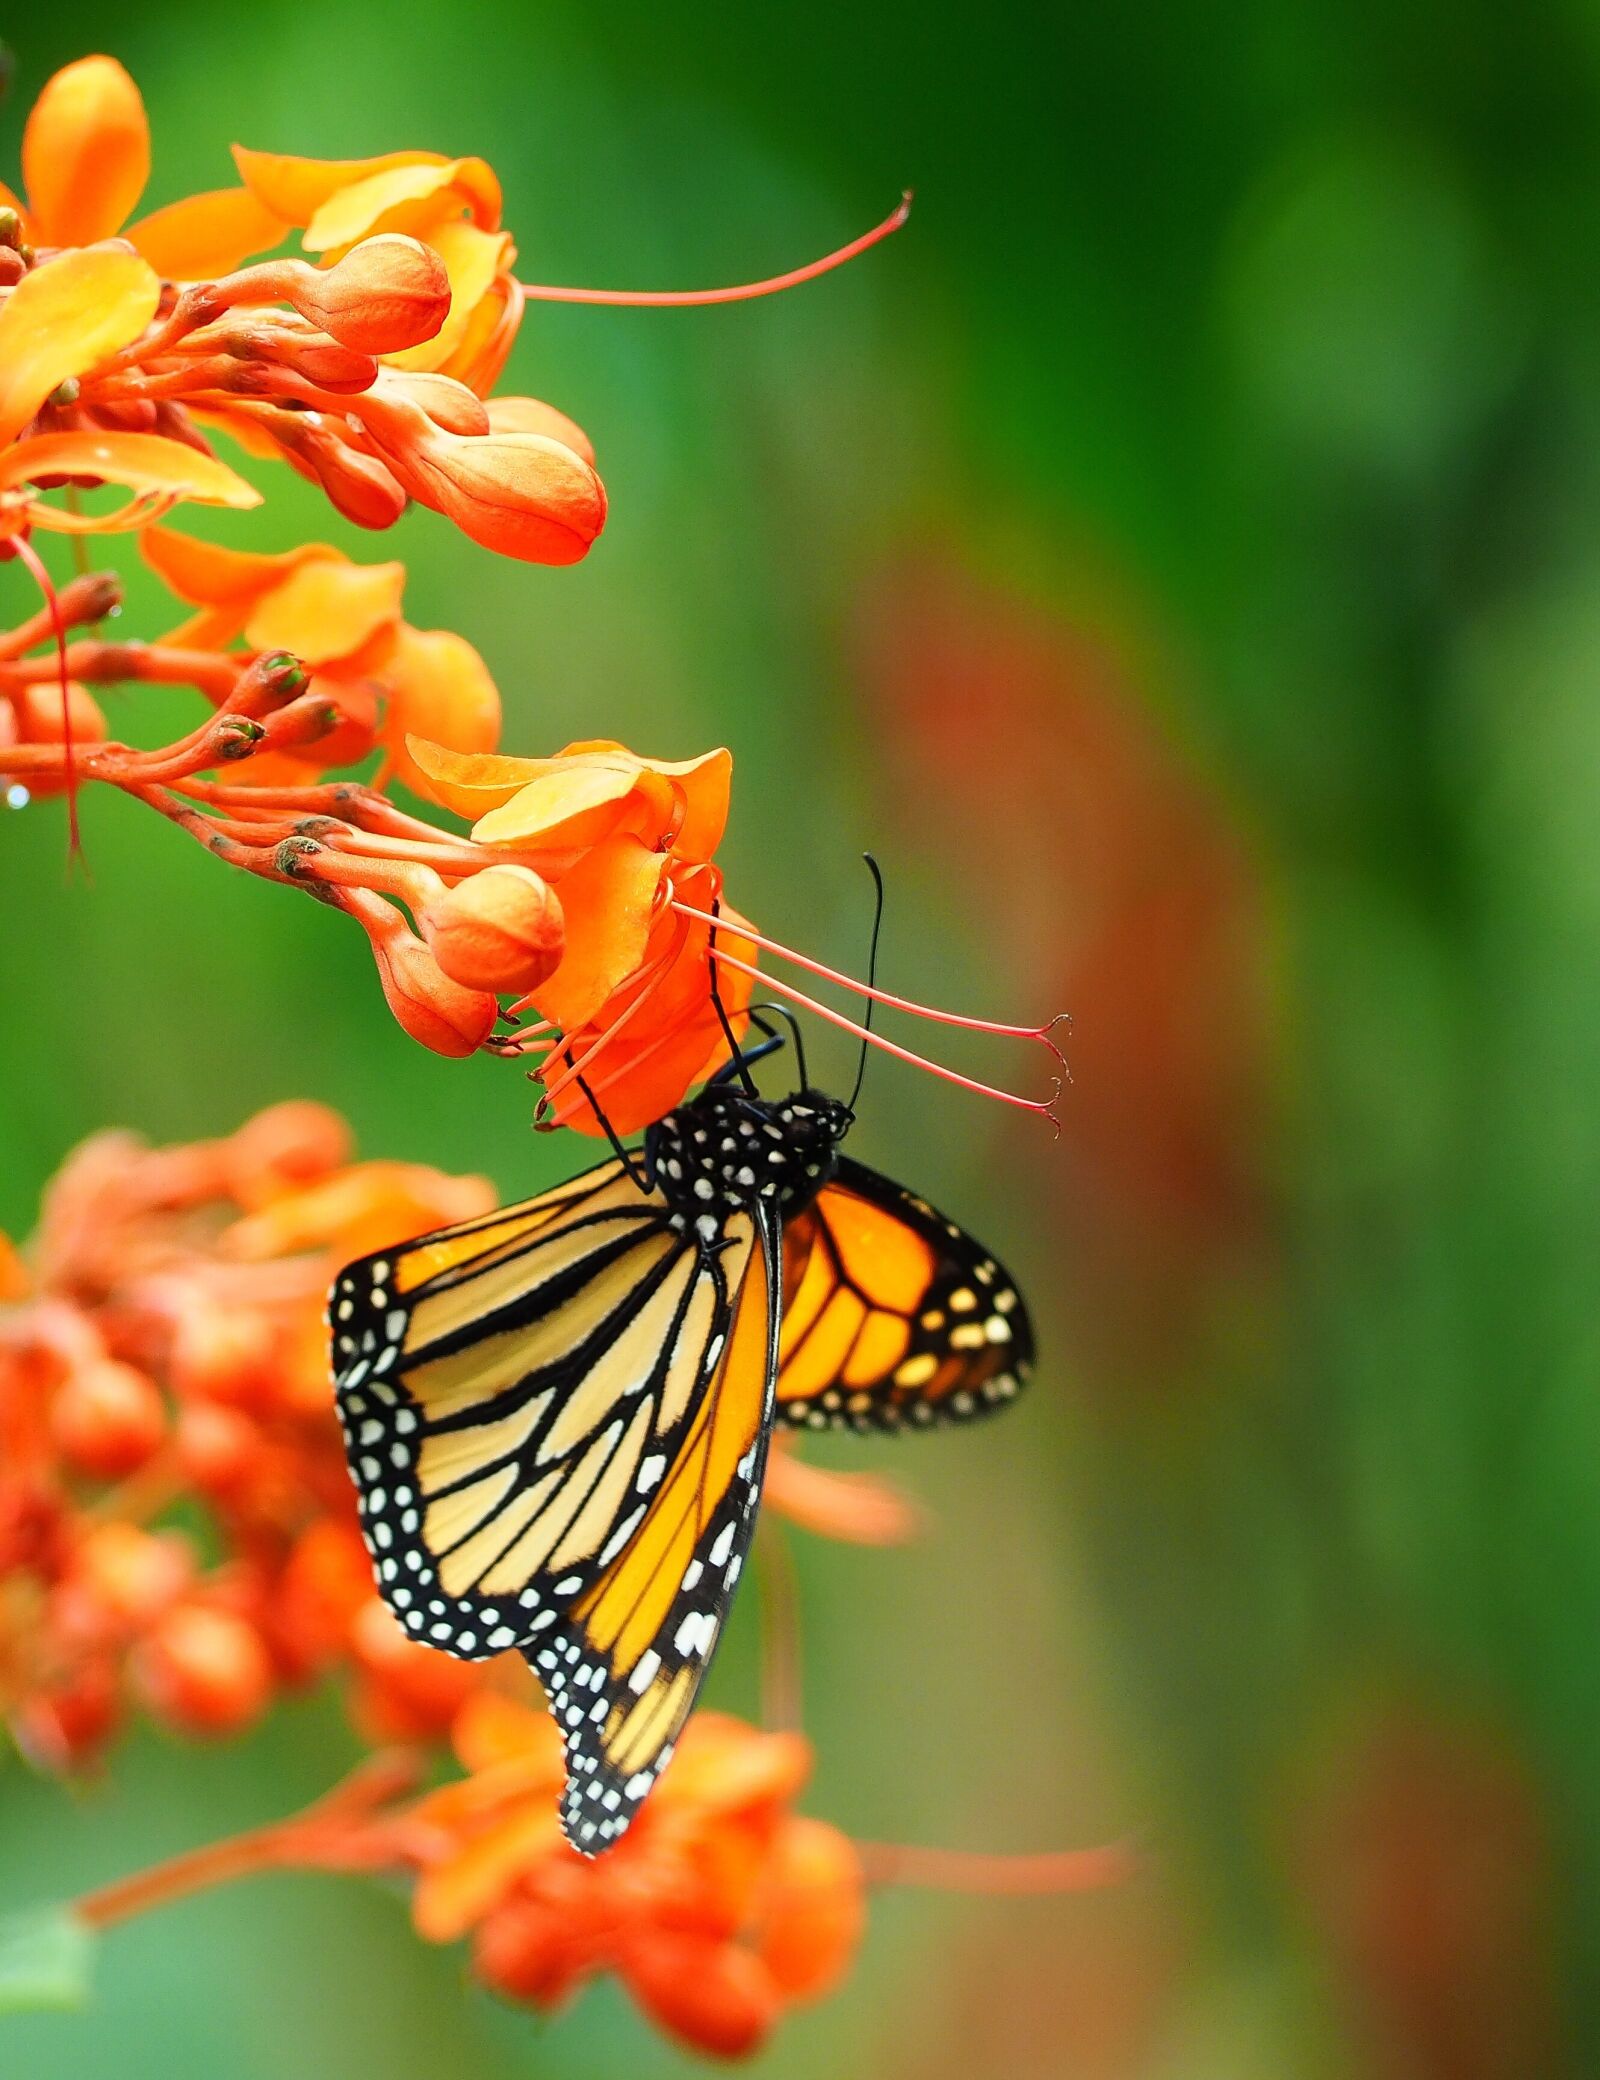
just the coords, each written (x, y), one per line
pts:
(440, 1013)
(359, 487)
(325, 1584)
(520, 494)
(447, 403)
(122, 1578)
(203, 1671)
(714, 1997)
(221, 1355)
(217, 1447)
(107, 1419)
(386, 294)
(500, 930)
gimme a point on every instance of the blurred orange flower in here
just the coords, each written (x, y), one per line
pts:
(720, 1908)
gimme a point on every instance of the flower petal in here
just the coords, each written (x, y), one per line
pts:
(491, 1729)
(144, 462)
(85, 153)
(460, 1889)
(204, 574)
(470, 783)
(575, 803)
(295, 189)
(327, 608)
(64, 317)
(472, 259)
(607, 900)
(438, 682)
(404, 198)
(207, 235)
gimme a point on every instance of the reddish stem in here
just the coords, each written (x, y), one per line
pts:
(41, 577)
(965, 1870)
(326, 1836)
(743, 292)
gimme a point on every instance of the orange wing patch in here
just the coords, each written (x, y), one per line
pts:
(892, 1313)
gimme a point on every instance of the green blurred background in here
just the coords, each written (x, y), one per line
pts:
(1176, 555)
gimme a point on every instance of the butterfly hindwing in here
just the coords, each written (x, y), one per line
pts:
(892, 1314)
(622, 1671)
(512, 1390)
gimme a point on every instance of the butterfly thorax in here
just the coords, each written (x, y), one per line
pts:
(726, 1148)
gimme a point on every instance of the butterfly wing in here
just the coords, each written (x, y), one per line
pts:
(892, 1314)
(513, 1389)
(623, 1669)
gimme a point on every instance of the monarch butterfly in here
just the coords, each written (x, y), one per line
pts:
(557, 1416)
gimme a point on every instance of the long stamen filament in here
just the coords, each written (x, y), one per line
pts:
(904, 1054)
(878, 996)
(743, 292)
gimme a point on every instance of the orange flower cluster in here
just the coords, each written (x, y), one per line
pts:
(720, 1908)
(164, 1343)
(122, 347)
(564, 897)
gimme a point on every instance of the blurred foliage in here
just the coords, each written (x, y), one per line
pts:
(1175, 554)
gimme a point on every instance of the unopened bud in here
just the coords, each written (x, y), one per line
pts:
(107, 1419)
(204, 1671)
(499, 930)
(386, 294)
(442, 1014)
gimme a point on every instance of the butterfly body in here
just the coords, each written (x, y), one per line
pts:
(557, 1416)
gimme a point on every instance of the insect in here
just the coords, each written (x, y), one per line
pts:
(557, 1416)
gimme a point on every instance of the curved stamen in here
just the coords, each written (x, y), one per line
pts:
(744, 292)
(904, 1054)
(886, 997)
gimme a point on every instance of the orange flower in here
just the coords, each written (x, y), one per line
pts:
(720, 1908)
(343, 621)
(147, 335)
(450, 205)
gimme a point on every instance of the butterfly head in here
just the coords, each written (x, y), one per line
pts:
(726, 1147)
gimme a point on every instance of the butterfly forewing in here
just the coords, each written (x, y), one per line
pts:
(623, 1670)
(513, 1391)
(892, 1314)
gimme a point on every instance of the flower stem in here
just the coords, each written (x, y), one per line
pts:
(335, 1833)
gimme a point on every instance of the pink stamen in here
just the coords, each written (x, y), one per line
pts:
(904, 1054)
(744, 291)
(41, 577)
(881, 996)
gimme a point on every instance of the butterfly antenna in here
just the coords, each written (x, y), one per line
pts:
(782, 1011)
(872, 973)
(735, 1051)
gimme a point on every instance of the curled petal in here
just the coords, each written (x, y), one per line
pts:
(608, 900)
(572, 804)
(64, 317)
(492, 334)
(516, 493)
(204, 574)
(295, 189)
(412, 199)
(457, 1891)
(85, 153)
(145, 462)
(326, 608)
(529, 415)
(490, 1729)
(437, 682)
(207, 235)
